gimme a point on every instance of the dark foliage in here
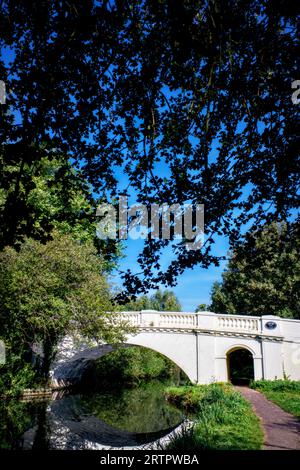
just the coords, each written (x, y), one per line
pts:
(200, 87)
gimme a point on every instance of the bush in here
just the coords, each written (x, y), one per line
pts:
(13, 379)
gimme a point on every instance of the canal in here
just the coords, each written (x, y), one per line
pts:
(122, 417)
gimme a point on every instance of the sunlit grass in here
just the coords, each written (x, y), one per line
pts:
(285, 393)
(224, 420)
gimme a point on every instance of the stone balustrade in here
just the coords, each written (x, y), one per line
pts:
(240, 323)
(199, 321)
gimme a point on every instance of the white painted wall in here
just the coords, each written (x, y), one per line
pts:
(290, 348)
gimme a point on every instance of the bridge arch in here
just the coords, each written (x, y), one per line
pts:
(71, 363)
(109, 349)
(240, 365)
(241, 346)
(171, 355)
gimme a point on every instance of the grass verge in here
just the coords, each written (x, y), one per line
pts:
(285, 393)
(224, 420)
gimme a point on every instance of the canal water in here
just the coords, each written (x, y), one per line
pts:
(127, 417)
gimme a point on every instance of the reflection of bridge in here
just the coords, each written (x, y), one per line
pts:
(72, 424)
(200, 344)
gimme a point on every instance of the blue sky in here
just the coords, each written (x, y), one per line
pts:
(193, 286)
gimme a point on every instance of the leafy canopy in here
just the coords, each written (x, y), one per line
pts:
(190, 100)
(51, 195)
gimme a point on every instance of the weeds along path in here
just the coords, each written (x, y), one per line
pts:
(281, 429)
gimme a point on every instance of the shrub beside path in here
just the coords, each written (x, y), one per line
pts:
(281, 429)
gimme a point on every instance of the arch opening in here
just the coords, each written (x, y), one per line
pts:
(240, 366)
(129, 364)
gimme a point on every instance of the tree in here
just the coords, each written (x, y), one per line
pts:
(161, 300)
(263, 275)
(50, 290)
(51, 195)
(201, 88)
(202, 308)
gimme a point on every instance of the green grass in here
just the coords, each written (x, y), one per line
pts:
(285, 393)
(224, 420)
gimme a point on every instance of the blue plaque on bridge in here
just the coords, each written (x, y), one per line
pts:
(271, 325)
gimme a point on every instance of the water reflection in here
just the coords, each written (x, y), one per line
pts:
(127, 417)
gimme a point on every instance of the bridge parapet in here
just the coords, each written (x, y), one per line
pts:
(154, 318)
(239, 323)
(199, 321)
(188, 320)
(266, 325)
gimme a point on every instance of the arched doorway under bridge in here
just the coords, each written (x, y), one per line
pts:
(240, 366)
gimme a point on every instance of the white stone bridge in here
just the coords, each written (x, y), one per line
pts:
(201, 344)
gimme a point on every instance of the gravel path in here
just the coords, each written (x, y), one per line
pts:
(281, 429)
